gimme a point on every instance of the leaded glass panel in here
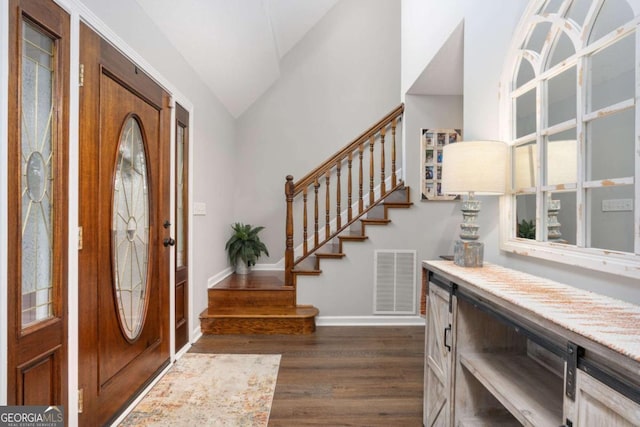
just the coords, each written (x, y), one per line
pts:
(37, 174)
(130, 230)
(180, 220)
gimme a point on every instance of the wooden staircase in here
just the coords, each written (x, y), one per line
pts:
(376, 215)
(260, 303)
(266, 302)
(256, 303)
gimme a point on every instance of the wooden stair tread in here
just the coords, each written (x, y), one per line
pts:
(374, 221)
(295, 320)
(255, 280)
(352, 235)
(300, 311)
(307, 266)
(257, 289)
(402, 205)
(330, 251)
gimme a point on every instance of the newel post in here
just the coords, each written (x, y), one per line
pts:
(288, 253)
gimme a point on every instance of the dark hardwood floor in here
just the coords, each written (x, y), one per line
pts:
(339, 376)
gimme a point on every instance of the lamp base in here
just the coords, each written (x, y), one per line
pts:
(468, 254)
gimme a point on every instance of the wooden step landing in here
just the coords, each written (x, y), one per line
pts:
(299, 320)
(254, 290)
(256, 303)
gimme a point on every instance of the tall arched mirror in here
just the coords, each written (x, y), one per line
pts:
(571, 83)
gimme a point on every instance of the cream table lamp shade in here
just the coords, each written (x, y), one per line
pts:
(473, 167)
(478, 167)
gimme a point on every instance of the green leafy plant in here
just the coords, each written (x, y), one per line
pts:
(245, 244)
(527, 229)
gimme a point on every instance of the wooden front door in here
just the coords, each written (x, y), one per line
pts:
(124, 202)
(37, 208)
(182, 228)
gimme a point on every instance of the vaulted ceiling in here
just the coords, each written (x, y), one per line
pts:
(236, 45)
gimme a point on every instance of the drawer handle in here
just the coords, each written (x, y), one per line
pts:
(447, 329)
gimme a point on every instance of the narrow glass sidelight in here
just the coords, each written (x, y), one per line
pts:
(130, 229)
(181, 209)
(37, 160)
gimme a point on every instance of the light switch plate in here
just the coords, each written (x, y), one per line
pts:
(199, 208)
(617, 205)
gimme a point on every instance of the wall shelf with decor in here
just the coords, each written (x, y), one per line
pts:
(432, 141)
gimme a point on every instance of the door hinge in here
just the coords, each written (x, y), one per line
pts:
(80, 400)
(81, 82)
(79, 238)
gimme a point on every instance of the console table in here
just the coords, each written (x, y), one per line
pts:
(507, 348)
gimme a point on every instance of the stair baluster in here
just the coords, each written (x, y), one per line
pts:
(305, 234)
(349, 201)
(394, 177)
(383, 187)
(316, 229)
(327, 220)
(361, 181)
(338, 195)
(333, 167)
(372, 172)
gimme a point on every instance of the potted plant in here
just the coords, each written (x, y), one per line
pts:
(244, 247)
(527, 229)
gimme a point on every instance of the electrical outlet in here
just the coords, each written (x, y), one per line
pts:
(617, 205)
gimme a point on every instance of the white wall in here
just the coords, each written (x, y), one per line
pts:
(341, 78)
(426, 25)
(213, 135)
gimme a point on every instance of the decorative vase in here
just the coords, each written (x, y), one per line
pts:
(242, 267)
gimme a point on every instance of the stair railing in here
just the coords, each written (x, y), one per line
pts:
(327, 180)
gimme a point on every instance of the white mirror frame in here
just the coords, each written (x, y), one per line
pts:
(619, 263)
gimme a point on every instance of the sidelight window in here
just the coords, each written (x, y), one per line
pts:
(37, 158)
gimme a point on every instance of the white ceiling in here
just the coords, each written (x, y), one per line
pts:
(236, 45)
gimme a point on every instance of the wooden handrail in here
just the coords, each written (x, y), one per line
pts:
(332, 188)
(344, 152)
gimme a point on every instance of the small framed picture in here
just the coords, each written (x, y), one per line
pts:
(429, 156)
(429, 172)
(432, 143)
(427, 136)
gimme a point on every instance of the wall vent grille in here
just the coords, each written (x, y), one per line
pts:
(394, 282)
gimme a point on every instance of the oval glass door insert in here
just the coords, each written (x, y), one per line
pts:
(130, 230)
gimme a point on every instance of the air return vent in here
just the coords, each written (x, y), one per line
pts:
(395, 282)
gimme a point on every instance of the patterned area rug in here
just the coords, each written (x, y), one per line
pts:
(234, 390)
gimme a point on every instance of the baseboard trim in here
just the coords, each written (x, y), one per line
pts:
(196, 335)
(214, 280)
(369, 321)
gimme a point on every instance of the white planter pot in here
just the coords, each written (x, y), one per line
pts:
(242, 267)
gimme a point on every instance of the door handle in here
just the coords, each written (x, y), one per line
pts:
(168, 242)
(448, 346)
